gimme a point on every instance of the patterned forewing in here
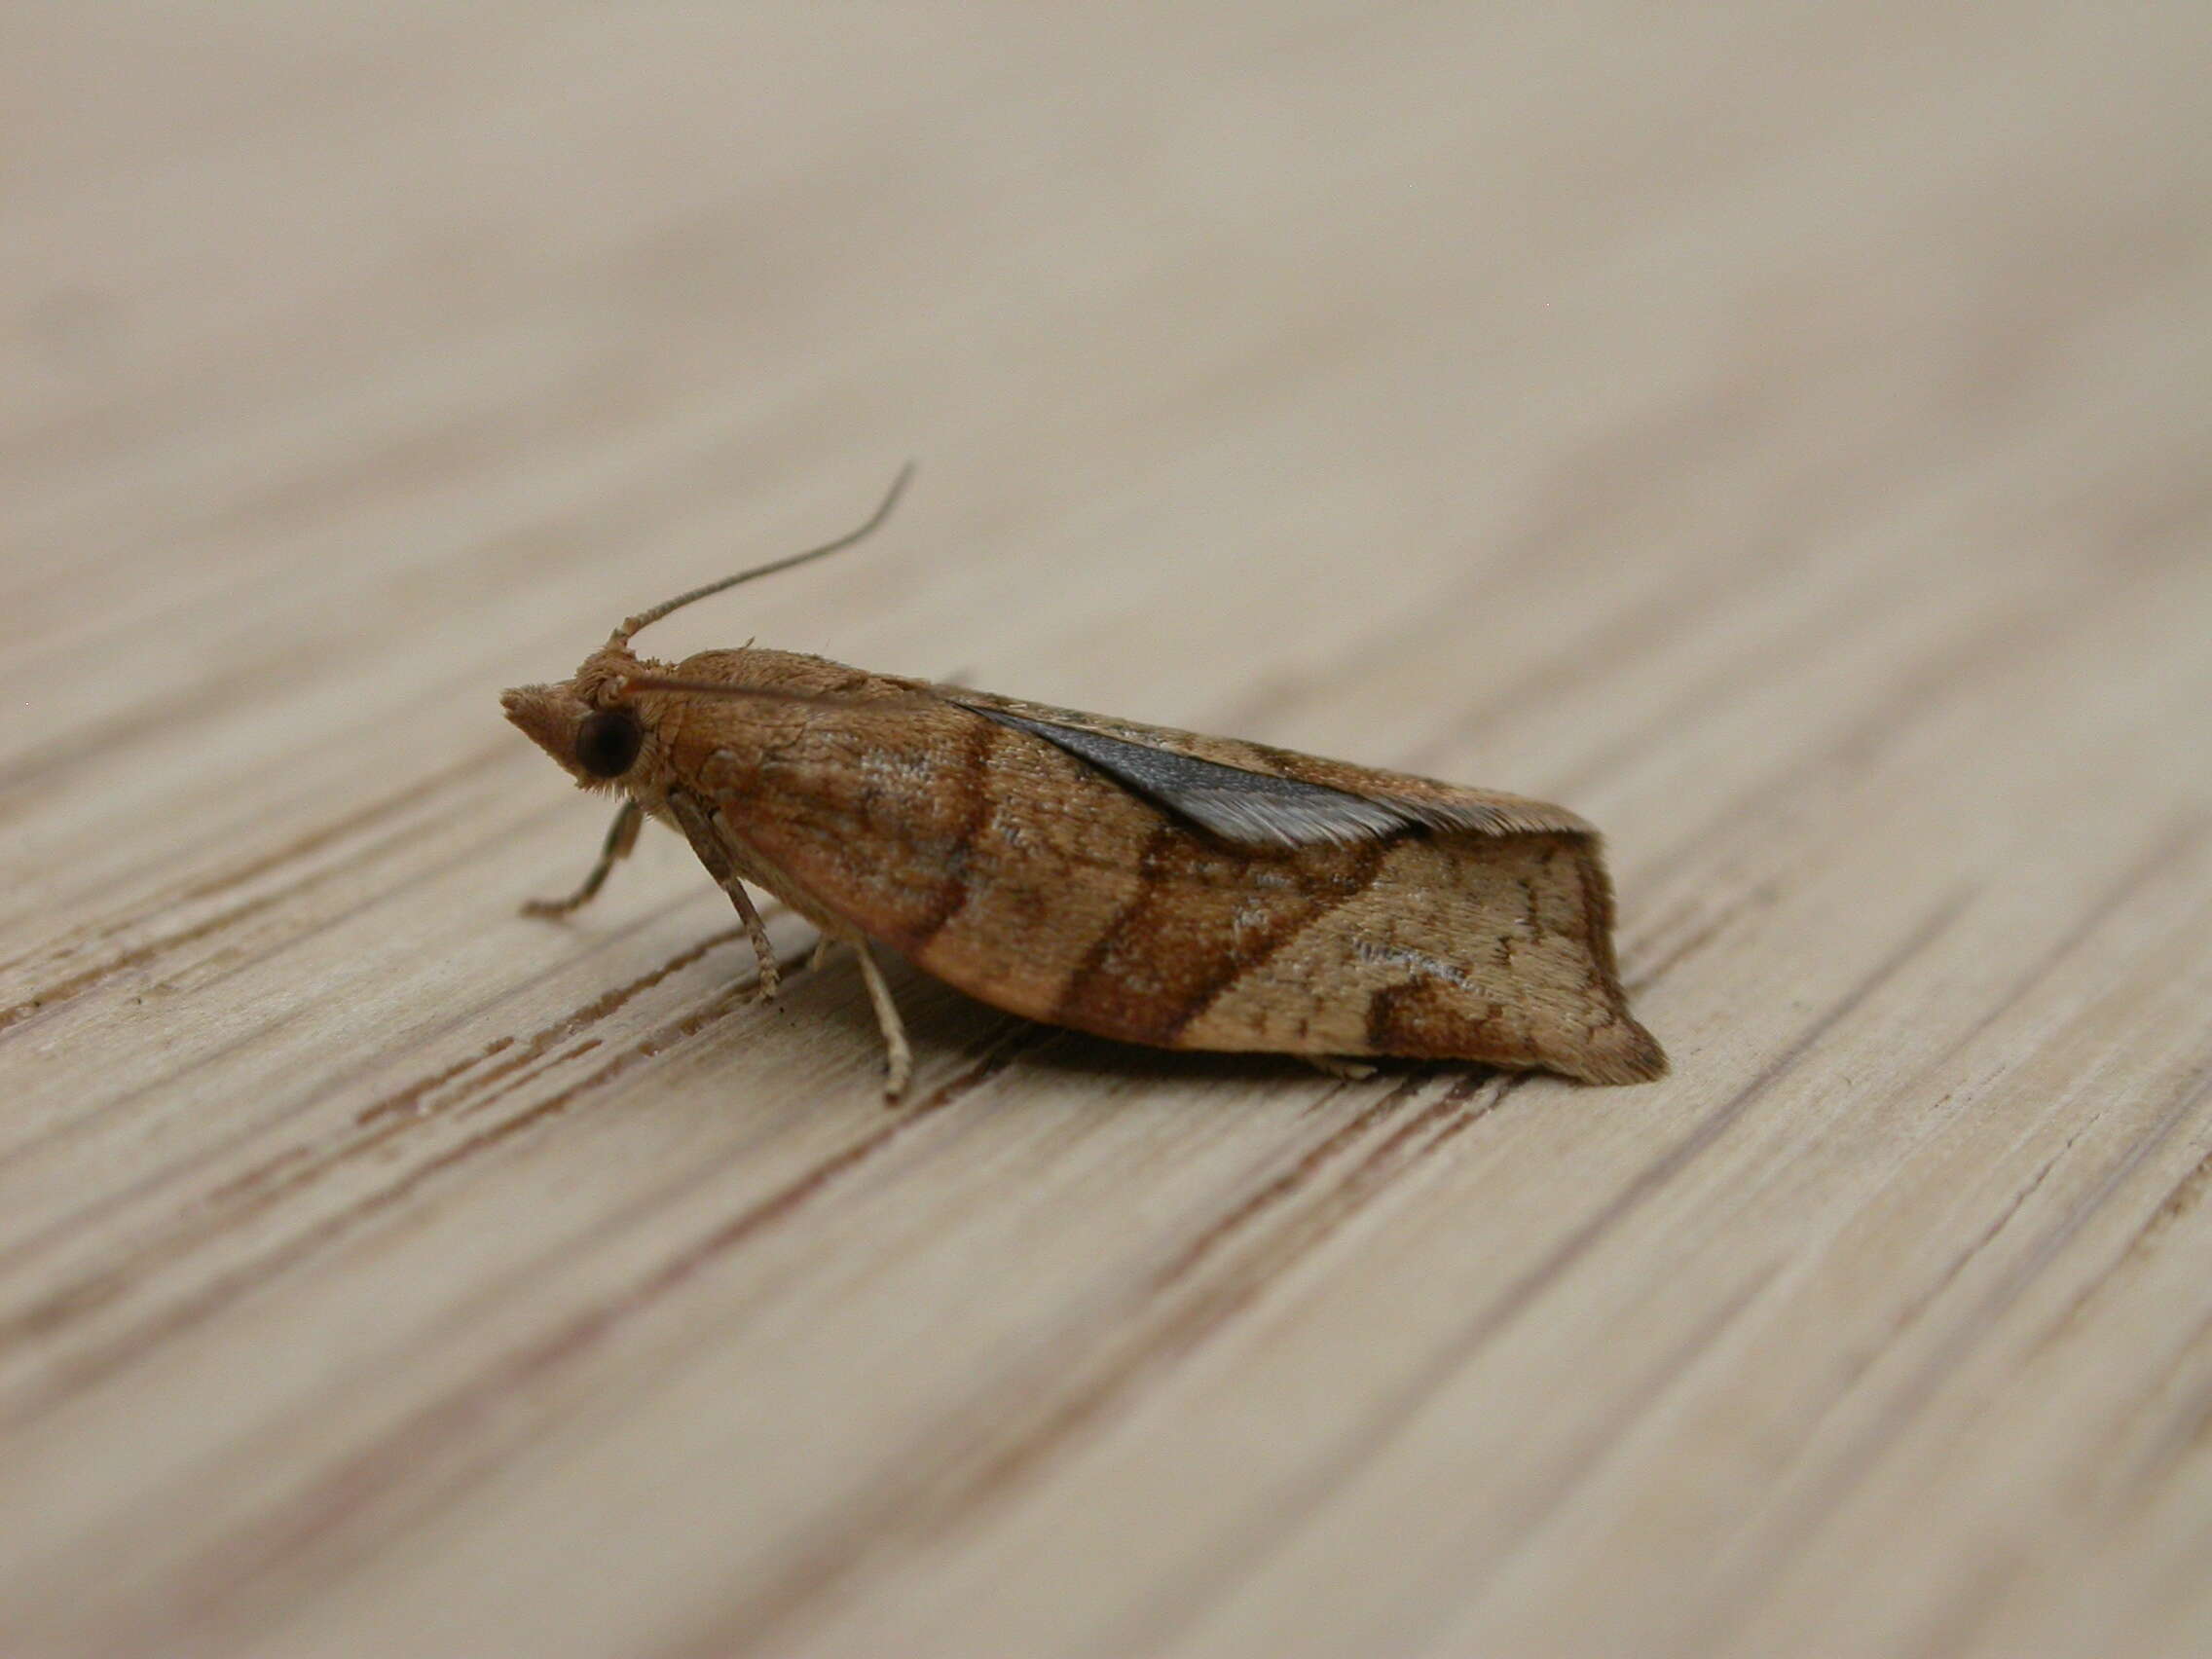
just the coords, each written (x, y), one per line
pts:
(1033, 881)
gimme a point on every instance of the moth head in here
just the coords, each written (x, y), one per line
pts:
(590, 724)
(596, 739)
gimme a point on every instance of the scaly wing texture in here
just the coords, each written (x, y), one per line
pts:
(1394, 799)
(1256, 808)
(1036, 881)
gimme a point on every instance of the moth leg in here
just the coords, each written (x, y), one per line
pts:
(699, 829)
(1337, 1066)
(898, 1061)
(622, 836)
(755, 929)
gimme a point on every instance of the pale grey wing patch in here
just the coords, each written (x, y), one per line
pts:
(1251, 808)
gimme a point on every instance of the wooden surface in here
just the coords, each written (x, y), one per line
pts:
(1778, 433)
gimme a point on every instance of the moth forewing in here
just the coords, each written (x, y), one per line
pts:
(1259, 808)
(1151, 885)
(1249, 792)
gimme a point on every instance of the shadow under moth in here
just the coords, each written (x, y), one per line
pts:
(1154, 886)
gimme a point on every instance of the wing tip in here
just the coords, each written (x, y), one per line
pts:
(1621, 1054)
(1508, 818)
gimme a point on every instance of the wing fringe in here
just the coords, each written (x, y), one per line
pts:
(1267, 809)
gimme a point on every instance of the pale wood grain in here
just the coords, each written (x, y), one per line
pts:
(1778, 436)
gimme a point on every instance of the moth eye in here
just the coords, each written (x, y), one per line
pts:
(607, 742)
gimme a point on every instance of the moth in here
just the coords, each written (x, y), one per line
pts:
(1150, 885)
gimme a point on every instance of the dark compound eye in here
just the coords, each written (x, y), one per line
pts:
(607, 742)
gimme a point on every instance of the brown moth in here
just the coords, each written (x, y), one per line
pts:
(1154, 886)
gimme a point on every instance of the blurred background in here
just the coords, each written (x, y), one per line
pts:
(1248, 328)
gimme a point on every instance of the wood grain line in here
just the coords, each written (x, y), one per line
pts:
(198, 889)
(2181, 838)
(1785, 1536)
(107, 1204)
(74, 984)
(1169, 1616)
(259, 1190)
(444, 1446)
(1235, 1559)
(2160, 1463)
(960, 1472)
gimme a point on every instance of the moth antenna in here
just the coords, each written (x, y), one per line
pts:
(621, 636)
(765, 693)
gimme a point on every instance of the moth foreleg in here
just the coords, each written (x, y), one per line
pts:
(621, 838)
(755, 929)
(898, 1059)
(707, 842)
